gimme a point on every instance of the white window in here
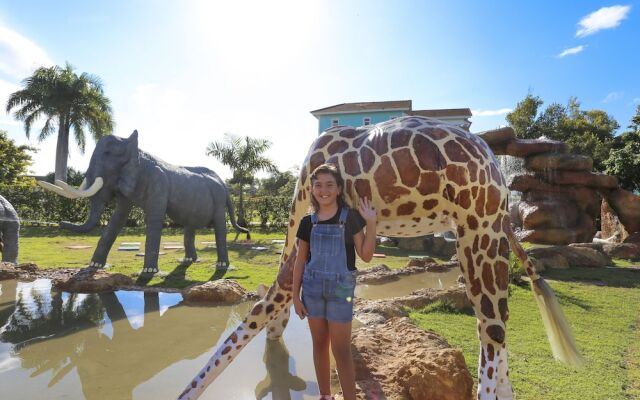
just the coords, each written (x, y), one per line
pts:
(366, 121)
(335, 122)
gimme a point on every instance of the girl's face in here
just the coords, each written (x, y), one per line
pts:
(325, 190)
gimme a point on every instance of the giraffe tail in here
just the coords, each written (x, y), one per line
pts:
(563, 345)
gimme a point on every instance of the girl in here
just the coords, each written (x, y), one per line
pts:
(325, 268)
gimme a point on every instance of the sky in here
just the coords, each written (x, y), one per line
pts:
(184, 73)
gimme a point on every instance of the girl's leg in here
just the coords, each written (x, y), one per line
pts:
(320, 337)
(340, 334)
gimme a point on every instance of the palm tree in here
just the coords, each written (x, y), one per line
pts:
(244, 156)
(68, 100)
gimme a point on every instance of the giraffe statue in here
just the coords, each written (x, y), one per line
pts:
(423, 176)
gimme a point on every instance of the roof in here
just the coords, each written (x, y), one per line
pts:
(345, 108)
(445, 112)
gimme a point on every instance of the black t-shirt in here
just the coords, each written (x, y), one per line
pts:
(354, 224)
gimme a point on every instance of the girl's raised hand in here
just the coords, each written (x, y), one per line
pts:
(366, 210)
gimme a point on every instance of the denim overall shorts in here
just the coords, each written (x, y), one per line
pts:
(327, 284)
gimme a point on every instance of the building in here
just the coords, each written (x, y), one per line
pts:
(359, 114)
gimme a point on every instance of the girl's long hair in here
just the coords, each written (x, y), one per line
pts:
(333, 170)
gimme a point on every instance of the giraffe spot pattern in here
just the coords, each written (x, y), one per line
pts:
(406, 208)
(429, 156)
(367, 159)
(350, 162)
(429, 183)
(407, 168)
(378, 142)
(363, 188)
(315, 161)
(455, 152)
(457, 174)
(385, 178)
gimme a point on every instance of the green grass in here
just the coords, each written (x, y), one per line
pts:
(45, 247)
(602, 307)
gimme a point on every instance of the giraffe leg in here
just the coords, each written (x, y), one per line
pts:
(484, 268)
(504, 390)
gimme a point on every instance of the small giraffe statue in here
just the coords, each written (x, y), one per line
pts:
(424, 176)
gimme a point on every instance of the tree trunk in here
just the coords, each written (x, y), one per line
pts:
(241, 219)
(62, 150)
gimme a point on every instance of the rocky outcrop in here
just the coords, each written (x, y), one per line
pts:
(575, 255)
(397, 360)
(627, 207)
(434, 245)
(223, 291)
(561, 196)
(91, 281)
(365, 310)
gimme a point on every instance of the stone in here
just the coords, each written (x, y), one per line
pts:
(558, 161)
(556, 236)
(627, 206)
(91, 281)
(585, 199)
(627, 251)
(591, 179)
(525, 147)
(394, 307)
(633, 238)
(497, 136)
(575, 256)
(222, 291)
(611, 228)
(548, 214)
(439, 246)
(397, 360)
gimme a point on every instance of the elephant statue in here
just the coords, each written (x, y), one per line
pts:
(194, 197)
(9, 231)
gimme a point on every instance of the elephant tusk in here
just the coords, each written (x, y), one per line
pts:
(57, 189)
(82, 192)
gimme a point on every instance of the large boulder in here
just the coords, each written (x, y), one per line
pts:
(397, 360)
(557, 161)
(611, 229)
(222, 291)
(91, 281)
(575, 255)
(525, 147)
(627, 207)
(580, 178)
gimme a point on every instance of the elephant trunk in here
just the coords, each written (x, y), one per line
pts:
(95, 211)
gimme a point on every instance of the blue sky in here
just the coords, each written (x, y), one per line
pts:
(185, 72)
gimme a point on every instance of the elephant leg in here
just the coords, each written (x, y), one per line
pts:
(10, 236)
(220, 227)
(153, 220)
(116, 223)
(190, 254)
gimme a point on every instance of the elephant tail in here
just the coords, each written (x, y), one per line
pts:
(232, 218)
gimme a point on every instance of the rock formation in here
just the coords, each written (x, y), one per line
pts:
(561, 197)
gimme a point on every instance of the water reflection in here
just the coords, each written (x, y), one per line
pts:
(54, 332)
(279, 381)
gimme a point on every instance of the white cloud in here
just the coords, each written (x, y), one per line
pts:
(490, 113)
(613, 96)
(571, 51)
(604, 18)
(19, 56)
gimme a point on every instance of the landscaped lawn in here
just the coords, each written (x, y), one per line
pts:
(46, 247)
(603, 308)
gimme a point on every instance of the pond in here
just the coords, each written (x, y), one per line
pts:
(144, 345)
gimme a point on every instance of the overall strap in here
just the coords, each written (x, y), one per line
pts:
(314, 219)
(343, 215)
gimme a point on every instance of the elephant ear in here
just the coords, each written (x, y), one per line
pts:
(129, 172)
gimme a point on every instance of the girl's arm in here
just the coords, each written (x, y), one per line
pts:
(365, 243)
(298, 270)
